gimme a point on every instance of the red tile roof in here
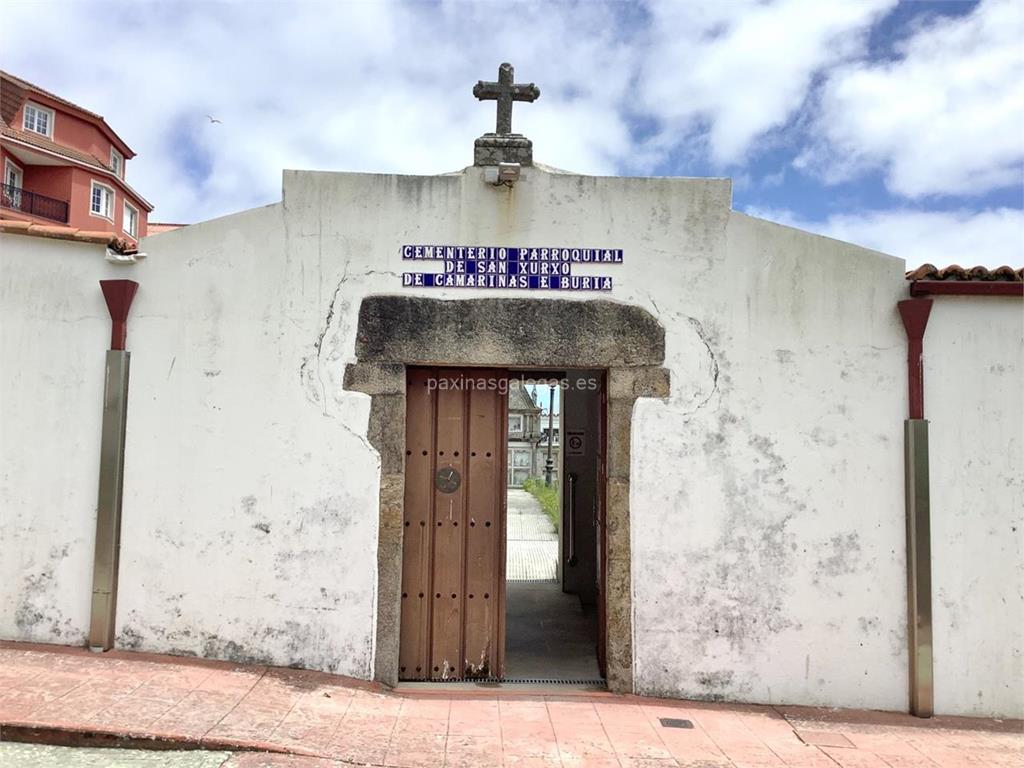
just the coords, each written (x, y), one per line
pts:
(956, 272)
(35, 140)
(64, 232)
(32, 87)
(156, 227)
(17, 93)
(12, 95)
(50, 145)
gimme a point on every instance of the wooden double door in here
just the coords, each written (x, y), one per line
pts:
(453, 558)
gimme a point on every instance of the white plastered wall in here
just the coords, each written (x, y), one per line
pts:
(974, 402)
(54, 328)
(767, 510)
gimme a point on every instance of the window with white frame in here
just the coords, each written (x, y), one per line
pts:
(13, 176)
(117, 162)
(515, 423)
(38, 120)
(101, 201)
(130, 223)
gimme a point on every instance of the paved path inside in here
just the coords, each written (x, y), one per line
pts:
(532, 546)
(54, 693)
(547, 634)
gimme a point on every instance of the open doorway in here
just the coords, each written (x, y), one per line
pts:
(503, 539)
(554, 456)
(624, 341)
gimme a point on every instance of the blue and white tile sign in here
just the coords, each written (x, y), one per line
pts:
(540, 269)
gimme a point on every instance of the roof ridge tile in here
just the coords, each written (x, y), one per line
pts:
(954, 272)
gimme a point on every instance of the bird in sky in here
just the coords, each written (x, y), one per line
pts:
(213, 119)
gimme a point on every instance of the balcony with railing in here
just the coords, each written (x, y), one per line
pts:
(34, 204)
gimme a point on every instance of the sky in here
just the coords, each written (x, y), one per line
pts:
(895, 125)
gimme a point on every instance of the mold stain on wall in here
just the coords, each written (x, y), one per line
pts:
(37, 616)
(838, 556)
(734, 591)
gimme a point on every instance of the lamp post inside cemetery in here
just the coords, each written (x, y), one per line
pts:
(549, 465)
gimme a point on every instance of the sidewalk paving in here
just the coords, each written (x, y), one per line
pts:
(532, 541)
(64, 695)
(45, 756)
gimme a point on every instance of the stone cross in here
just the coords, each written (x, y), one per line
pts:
(505, 91)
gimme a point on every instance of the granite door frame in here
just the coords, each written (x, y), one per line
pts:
(394, 332)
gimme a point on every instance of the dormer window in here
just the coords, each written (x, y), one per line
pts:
(38, 120)
(117, 162)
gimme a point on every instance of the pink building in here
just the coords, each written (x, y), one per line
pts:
(63, 164)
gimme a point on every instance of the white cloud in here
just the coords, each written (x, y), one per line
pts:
(740, 69)
(386, 87)
(946, 117)
(379, 87)
(991, 238)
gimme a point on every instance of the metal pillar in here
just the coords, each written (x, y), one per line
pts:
(919, 569)
(108, 508)
(118, 294)
(914, 313)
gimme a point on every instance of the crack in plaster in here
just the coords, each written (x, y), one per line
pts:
(305, 372)
(321, 398)
(715, 370)
(657, 309)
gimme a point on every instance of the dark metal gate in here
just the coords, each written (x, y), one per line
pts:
(453, 550)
